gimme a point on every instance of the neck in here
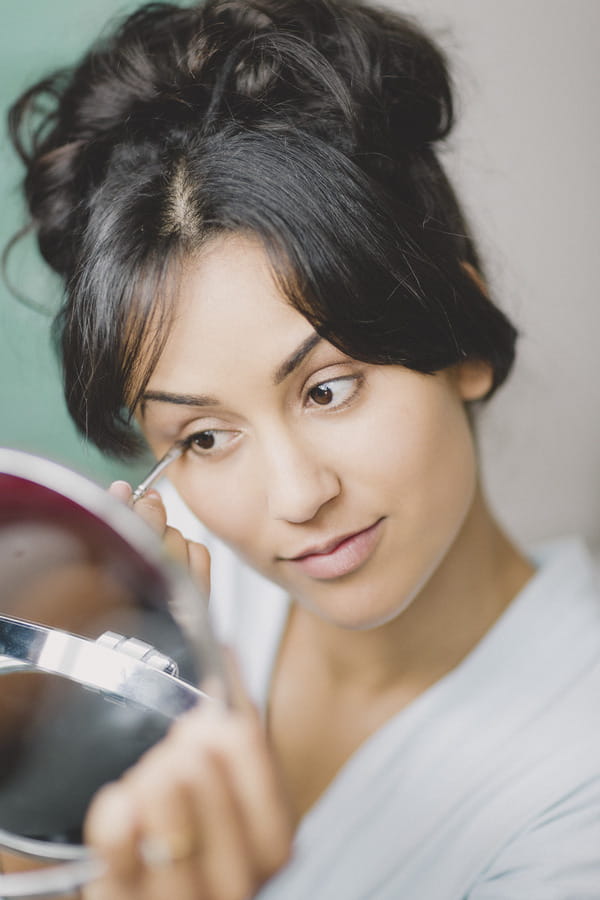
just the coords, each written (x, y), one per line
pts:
(475, 582)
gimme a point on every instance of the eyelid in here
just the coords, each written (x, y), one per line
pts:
(357, 380)
(200, 426)
(217, 451)
(201, 423)
(332, 372)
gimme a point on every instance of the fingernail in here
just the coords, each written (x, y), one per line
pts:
(121, 490)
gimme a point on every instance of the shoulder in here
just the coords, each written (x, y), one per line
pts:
(543, 810)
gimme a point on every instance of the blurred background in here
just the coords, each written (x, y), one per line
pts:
(37, 37)
(525, 160)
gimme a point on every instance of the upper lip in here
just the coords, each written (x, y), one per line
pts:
(328, 546)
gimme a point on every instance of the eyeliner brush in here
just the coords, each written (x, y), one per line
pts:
(170, 456)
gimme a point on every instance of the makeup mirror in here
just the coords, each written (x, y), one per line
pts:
(103, 643)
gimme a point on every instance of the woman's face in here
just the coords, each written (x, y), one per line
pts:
(342, 481)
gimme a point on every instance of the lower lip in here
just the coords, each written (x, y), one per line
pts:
(343, 559)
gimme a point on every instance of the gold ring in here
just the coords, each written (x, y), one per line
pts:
(164, 850)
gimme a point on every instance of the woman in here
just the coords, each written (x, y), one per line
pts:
(266, 264)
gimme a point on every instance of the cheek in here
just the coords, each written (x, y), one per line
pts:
(427, 464)
(227, 503)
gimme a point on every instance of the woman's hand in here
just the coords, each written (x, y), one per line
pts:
(150, 508)
(202, 816)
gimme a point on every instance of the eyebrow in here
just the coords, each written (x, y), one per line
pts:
(289, 365)
(292, 362)
(179, 399)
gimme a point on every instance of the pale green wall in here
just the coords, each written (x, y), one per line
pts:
(35, 37)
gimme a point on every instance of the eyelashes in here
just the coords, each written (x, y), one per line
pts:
(205, 443)
(335, 393)
(331, 395)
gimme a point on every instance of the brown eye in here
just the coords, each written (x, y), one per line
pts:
(321, 394)
(204, 440)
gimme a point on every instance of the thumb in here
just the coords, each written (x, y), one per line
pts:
(121, 490)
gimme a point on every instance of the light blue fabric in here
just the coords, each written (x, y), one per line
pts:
(487, 787)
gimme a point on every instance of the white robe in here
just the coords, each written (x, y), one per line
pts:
(487, 786)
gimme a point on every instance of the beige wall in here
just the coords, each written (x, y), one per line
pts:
(526, 156)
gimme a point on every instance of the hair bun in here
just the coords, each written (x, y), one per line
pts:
(373, 69)
(415, 89)
(367, 80)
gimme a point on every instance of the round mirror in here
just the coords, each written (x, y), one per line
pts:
(103, 642)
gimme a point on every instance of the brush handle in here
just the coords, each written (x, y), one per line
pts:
(174, 453)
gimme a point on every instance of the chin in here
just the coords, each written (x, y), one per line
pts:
(357, 610)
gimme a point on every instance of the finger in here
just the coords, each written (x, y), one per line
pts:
(196, 811)
(194, 557)
(239, 741)
(111, 830)
(240, 699)
(257, 784)
(170, 841)
(225, 863)
(199, 562)
(176, 546)
(109, 888)
(121, 490)
(151, 509)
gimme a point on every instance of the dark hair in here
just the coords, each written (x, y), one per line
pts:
(308, 123)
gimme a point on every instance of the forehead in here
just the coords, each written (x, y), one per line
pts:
(230, 316)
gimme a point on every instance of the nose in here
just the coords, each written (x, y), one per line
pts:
(299, 481)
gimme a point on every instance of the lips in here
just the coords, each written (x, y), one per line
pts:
(339, 556)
